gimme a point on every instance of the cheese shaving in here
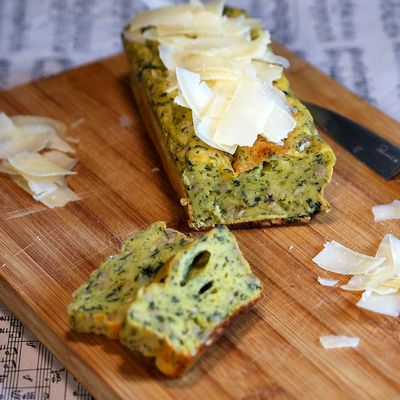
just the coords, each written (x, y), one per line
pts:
(41, 190)
(35, 164)
(60, 197)
(181, 15)
(61, 159)
(387, 211)
(336, 342)
(197, 94)
(205, 128)
(6, 168)
(206, 55)
(22, 141)
(33, 121)
(388, 304)
(253, 107)
(24, 144)
(56, 143)
(378, 277)
(7, 127)
(327, 282)
(54, 130)
(338, 258)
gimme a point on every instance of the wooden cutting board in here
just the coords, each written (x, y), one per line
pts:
(273, 351)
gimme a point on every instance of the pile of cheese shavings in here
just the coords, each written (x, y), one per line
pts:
(378, 277)
(223, 74)
(33, 152)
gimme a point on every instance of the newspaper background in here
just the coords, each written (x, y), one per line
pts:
(357, 42)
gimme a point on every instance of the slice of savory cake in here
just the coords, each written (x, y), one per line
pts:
(194, 297)
(237, 145)
(100, 304)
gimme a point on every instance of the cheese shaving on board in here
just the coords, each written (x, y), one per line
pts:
(34, 164)
(33, 150)
(378, 277)
(327, 282)
(388, 304)
(7, 128)
(387, 211)
(206, 54)
(55, 130)
(34, 121)
(61, 159)
(60, 197)
(336, 342)
(338, 258)
(22, 141)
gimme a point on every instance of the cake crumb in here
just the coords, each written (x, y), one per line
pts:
(125, 121)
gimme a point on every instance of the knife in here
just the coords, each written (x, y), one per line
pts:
(373, 150)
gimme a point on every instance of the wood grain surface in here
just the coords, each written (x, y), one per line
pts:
(273, 351)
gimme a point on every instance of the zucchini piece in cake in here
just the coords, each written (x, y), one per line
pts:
(237, 145)
(100, 304)
(197, 293)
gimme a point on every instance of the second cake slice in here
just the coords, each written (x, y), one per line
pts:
(199, 291)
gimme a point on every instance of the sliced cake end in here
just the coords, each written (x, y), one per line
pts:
(100, 304)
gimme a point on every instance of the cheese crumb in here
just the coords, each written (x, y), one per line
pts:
(125, 121)
(336, 342)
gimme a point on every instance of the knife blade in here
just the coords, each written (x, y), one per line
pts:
(373, 150)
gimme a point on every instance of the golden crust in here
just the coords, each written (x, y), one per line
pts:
(100, 323)
(259, 152)
(155, 132)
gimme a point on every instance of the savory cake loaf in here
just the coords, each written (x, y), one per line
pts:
(100, 304)
(194, 297)
(270, 181)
